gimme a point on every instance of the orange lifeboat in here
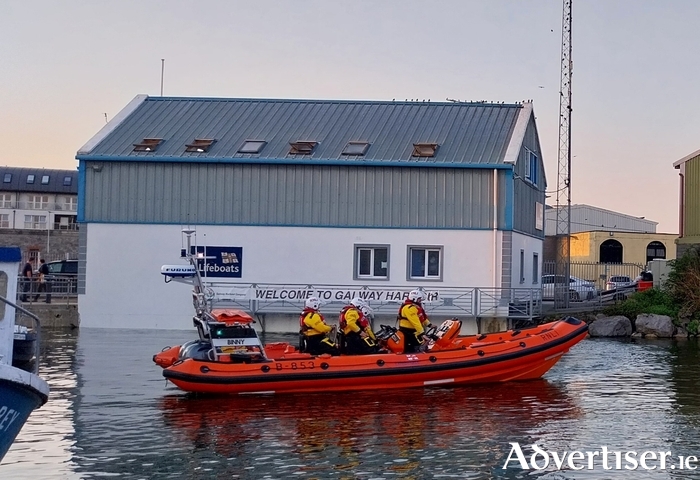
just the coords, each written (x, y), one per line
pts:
(236, 362)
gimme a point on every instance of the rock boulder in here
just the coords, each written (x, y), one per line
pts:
(617, 326)
(658, 325)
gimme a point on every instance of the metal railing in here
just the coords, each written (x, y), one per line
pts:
(477, 302)
(597, 273)
(36, 328)
(60, 289)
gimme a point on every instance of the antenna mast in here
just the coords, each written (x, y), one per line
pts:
(162, 72)
(563, 235)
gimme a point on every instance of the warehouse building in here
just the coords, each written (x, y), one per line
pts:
(689, 206)
(341, 196)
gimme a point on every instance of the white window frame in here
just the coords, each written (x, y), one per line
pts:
(5, 200)
(428, 249)
(370, 249)
(35, 222)
(72, 204)
(4, 220)
(38, 202)
(531, 166)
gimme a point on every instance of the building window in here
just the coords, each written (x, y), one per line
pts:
(372, 262)
(530, 167)
(424, 149)
(200, 145)
(67, 181)
(355, 148)
(35, 222)
(72, 204)
(425, 263)
(30, 178)
(535, 268)
(7, 178)
(5, 200)
(252, 146)
(611, 251)
(655, 250)
(45, 180)
(4, 220)
(38, 202)
(302, 148)
(522, 266)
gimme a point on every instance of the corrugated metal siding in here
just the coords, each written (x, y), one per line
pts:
(467, 133)
(585, 218)
(692, 198)
(526, 195)
(304, 195)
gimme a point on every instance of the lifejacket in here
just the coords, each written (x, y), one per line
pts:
(421, 313)
(342, 322)
(303, 327)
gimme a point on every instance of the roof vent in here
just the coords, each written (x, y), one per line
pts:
(200, 145)
(302, 148)
(424, 149)
(355, 148)
(147, 145)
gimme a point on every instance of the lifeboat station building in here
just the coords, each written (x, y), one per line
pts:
(293, 198)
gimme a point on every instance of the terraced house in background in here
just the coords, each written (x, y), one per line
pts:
(387, 195)
(38, 211)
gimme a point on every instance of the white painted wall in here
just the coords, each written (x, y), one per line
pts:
(529, 245)
(124, 287)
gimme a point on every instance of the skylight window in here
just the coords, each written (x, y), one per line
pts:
(302, 147)
(200, 145)
(7, 178)
(45, 180)
(147, 145)
(252, 146)
(424, 149)
(67, 180)
(30, 178)
(355, 148)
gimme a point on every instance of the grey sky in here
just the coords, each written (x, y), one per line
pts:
(65, 64)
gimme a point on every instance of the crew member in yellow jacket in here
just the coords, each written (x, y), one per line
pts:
(314, 330)
(354, 322)
(413, 321)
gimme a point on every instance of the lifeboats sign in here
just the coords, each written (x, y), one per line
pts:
(224, 262)
(329, 295)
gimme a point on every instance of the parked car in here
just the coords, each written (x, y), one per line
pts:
(63, 276)
(618, 281)
(579, 289)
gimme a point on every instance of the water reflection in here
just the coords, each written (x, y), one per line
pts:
(367, 431)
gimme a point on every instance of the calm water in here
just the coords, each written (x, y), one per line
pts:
(112, 415)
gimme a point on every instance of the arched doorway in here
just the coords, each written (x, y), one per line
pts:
(611, 252)
(656, 250)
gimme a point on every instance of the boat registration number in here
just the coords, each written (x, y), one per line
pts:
(307, 365)
(549, 335)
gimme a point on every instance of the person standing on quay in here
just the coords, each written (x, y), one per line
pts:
(27, 273)
(43, 272)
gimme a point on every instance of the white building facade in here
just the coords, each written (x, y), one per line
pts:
(299, 197)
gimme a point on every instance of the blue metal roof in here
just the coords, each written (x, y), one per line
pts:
(468, 134)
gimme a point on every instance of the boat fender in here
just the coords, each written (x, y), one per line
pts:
(481, 353)
(433, 358)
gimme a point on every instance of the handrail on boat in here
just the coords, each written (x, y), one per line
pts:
(37, 343)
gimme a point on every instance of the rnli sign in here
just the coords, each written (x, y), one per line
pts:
(223, 262)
